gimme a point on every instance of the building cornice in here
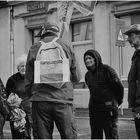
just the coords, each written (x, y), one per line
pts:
(125, 8)
(11, 3)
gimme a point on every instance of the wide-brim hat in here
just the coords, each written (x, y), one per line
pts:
(132, 29)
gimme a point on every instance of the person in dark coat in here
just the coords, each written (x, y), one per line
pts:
(106, 95)
(15, 84)
(133, 33)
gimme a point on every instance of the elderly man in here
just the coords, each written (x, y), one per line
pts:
(133, 33)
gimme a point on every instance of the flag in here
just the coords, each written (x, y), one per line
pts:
(85, 7)
(65, 10)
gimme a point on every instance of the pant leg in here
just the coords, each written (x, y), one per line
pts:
(28, 125)
(96, 125)
(63, 115)
(137, 125)
(2, 122)
(27, 128)
(42, 120)
(110, 125)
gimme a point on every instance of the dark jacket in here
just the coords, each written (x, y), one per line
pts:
(16, 84)
(44, 92)
(134, 83)
(106, 90)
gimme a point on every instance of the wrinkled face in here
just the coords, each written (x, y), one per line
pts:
(89, 61)
(134, 40)
(22, 68)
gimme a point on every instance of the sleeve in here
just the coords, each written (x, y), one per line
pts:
(116, 85)
(29, 74)
(132, 86)
(10, 87)
(133, 77)
(86, 79)
(75, 70)
(75, 76)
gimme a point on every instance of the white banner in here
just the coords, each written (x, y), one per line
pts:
(52, 71)
(65, 10)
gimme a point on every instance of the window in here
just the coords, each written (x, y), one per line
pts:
(82, 40)
(34, 33)
(82, 31)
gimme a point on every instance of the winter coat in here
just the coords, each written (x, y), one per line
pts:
(106, 90)
(16, 84)
(45, 92)
(134, 83)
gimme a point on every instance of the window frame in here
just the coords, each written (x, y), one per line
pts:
(76, 21)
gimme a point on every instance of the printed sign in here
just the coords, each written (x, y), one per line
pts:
(120, 37)
(52, 71)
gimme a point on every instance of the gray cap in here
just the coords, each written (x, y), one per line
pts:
(132, 29)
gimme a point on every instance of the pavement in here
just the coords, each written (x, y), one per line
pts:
(126, 125)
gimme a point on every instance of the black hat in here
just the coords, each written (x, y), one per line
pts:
(132, 29)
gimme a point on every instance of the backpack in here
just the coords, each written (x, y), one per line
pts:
(52, 54)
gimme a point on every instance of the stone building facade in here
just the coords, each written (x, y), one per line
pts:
(20, 21)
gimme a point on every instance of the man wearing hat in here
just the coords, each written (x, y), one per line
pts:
(133, 33)
(51, 104)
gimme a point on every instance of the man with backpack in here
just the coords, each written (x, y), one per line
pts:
(51, 103)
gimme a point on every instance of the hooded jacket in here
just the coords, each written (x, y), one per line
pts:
(44, 92)
(106, 90)
(134, 83)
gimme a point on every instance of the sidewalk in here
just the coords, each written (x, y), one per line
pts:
(125, 125)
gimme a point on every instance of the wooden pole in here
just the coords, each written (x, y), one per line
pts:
(62, 30)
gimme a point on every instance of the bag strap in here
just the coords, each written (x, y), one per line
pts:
(61, 50)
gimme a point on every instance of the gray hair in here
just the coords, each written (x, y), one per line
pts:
(21, 59)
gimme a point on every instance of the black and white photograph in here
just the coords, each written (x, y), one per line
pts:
(69, 69)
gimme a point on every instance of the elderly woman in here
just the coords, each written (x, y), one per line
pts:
(15, 84)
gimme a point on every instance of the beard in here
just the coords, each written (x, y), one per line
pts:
(135, 45)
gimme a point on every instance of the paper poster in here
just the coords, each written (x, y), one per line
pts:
(52, 71)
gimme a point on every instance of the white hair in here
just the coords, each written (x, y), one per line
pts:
(21, 59)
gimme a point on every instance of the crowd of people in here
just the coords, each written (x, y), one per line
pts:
(37, 106)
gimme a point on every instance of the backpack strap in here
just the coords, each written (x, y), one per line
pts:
(61, 50)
